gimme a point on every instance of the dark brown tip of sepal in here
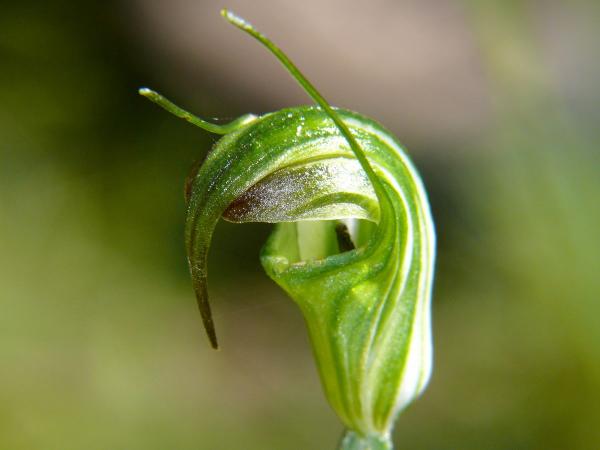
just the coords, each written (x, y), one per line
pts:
(213, 338)
(205, 312)
(209, 326)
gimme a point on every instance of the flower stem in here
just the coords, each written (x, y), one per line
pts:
(354, 441)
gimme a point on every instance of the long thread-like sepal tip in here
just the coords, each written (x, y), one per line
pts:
(147, 92)
(228, 15)
(234, 19)
(171, 107)
(151, 95)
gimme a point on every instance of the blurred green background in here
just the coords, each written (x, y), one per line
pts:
(101, 343)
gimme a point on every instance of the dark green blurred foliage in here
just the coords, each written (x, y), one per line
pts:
(101, 345)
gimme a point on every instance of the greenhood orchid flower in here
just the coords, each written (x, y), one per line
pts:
(353, 244)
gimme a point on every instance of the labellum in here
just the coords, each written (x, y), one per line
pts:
(353, 244)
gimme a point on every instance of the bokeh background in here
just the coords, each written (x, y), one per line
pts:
(101, 343)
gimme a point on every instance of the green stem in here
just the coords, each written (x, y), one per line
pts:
(195, 120)
(354, 441)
